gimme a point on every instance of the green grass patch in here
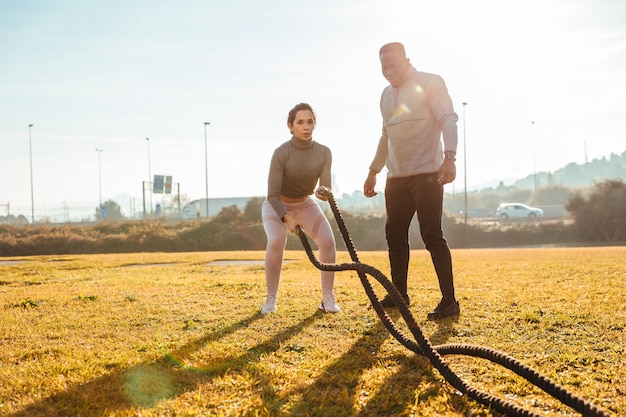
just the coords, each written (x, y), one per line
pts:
(170, 334)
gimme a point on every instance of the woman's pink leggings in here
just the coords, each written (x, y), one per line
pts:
(310, 216)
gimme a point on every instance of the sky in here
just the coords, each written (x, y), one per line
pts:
(544, 83)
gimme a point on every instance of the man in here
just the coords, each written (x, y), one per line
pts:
(417, 111)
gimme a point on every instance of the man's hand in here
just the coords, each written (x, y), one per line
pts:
(370, 184)
(447, 172)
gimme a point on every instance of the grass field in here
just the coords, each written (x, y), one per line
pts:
(172, 334)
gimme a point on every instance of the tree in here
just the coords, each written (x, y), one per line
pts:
(600, 216)
(112, 211)
(552, 195)
(252, 211)
(174, 203)
(11, 219)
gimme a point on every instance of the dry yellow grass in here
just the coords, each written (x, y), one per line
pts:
(169, 334)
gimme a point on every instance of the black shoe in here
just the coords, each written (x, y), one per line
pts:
(446, 308)
(387, 302)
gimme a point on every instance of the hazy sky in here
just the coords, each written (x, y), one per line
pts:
(107, 75)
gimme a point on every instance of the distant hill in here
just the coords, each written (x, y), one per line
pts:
(574, 175)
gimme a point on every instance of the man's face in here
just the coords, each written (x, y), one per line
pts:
(394, 65)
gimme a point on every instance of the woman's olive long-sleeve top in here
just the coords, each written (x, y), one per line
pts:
(295, 169)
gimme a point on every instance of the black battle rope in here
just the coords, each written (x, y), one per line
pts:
(434, 353)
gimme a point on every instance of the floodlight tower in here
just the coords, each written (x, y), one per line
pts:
(32, 197)
(206, 170)
(149, 174)
(99, 176)
(464, 167)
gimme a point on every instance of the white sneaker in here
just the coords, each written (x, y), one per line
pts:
(328, 304)
(270, 305)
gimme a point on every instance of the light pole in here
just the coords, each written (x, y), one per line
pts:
(99, 176)
(534, 162)
(149, 175)
(32, 194)
(464, 166)
(206, 171)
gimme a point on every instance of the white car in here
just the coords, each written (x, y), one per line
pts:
(518, 211)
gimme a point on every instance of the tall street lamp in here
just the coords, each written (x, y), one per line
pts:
(99, 176)
(534, 162)
(149, 174)
(32, 194)
(206, 171)
(464, 166)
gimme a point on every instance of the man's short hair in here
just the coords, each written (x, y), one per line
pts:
(393, 46)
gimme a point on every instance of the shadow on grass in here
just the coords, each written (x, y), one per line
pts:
(339, 388)
(445, 329)
(147, 383)
(342, 388)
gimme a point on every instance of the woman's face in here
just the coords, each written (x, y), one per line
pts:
(303, 125)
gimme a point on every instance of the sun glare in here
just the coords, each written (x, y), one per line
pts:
(401, 110)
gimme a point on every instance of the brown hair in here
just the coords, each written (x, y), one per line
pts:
(302, 106)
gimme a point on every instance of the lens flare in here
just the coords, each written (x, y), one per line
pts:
(401, 110)
(146, 385)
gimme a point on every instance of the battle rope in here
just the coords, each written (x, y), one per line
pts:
(422, 346)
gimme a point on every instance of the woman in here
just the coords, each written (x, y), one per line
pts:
(295, 169)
